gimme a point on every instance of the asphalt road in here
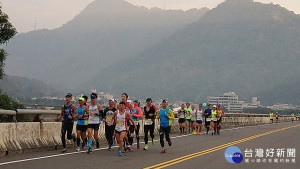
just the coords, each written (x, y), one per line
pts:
(187, 151)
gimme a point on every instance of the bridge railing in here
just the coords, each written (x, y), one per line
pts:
(17, 112)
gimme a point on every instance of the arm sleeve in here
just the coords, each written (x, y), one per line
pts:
(171, 117)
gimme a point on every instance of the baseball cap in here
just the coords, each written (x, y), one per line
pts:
(94, 95)
(81, 99)
(136, 100)
(69, 95)
(214, 106)
(166, 101)
(110, 100)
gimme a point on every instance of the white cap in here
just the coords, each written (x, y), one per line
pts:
(214, 106)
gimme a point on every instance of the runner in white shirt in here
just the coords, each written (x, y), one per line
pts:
(199, 119)
(121, 117)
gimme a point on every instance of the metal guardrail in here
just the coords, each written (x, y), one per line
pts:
(37, 111)
(17, 112)
(57, 112)
(7, 112)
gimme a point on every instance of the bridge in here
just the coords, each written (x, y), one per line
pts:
(247, 132)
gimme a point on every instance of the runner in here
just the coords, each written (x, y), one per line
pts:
(220, 114)
(68, 111)
(292, 116)
(81, 126)
(188, 116)
(85, 101)
(182, 113)
(193, 114)
(150, 113)
(115, 103)
(276, 117)
(129, 109)
(199, 119)
(207, 115)
(165, 115)
(109, 125)
(271, 117)
(214, 120)
(95, 115)
(120, 117)
(136, 115)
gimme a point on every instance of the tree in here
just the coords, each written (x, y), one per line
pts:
(8, 103)
(7, 31)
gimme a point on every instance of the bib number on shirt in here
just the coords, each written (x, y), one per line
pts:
(208, 119)
(148, 122)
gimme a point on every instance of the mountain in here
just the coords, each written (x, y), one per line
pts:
(284, 92)
(103, 33)
(21, 87)
(241, 45)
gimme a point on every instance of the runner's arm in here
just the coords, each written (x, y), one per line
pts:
(113, 117)
(130, 119)
(75, 112)
(171, 114)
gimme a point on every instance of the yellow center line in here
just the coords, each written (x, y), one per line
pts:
(207, 151)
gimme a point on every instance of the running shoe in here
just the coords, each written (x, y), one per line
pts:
(163, 150)
(120, 153)
(78, 148)
(198, 132)
(89, 151)
(169, 143)
(153, 142)
(64, 150)
(138, 146)
(146, 147)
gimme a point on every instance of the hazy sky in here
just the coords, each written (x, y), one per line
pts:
(27, 15)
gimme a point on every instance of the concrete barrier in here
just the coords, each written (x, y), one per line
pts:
(31, 136)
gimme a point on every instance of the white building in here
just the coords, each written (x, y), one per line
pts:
(230, 101)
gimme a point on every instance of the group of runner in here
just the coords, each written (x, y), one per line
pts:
(122, 122)
(192, 118)
(271, 115)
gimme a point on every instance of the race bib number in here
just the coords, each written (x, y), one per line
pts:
(181, 116)
(148, 122)
(215, 120)
(108, 119)
(199, 118)
(120, 123)
(208, 119)
(193, 118)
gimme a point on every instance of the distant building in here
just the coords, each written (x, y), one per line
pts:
(232, 103)
(284, 107)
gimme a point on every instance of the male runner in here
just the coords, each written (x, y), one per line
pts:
(165, 115)
(68, 111)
